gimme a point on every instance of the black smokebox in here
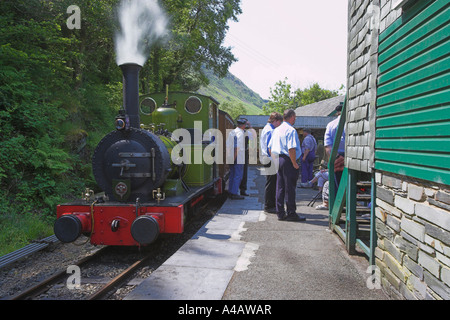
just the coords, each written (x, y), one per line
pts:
(131, 92)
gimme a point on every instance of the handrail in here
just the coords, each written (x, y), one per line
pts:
(346, 195)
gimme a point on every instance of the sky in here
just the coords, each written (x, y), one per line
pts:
(302, 40)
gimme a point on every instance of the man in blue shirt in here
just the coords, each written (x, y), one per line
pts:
(330, 135)
(309, 146)
(274, 121)
(236, 149)
(286, 145)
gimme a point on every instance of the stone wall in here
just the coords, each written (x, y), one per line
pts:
(413, 227)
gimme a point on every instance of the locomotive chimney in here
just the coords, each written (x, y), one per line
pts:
(131, 92)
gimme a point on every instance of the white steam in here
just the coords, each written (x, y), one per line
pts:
(142, 22)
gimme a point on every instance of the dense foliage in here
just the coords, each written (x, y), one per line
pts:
(60, 88)
(283, 96)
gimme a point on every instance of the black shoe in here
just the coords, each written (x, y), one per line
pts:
(236, 197)
(245, 194)
(270, 210)
(282, 217)
(295, 217)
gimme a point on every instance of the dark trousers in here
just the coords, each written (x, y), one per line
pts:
(243, 185)
(286, 186)
(270, 191)
(307, 167)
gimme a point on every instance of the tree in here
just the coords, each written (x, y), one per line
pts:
(283, 97)
(198, 29)
(313, 94)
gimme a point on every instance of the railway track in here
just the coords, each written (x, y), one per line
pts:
(88, 264)
(119, 279)
(44, 285)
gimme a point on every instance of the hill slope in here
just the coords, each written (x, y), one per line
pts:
(231, 89)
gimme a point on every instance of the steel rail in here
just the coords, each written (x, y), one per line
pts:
(118, 279)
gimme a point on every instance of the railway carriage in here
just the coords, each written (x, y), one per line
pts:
(146, 192)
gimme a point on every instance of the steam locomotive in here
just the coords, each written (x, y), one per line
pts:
(146, 193)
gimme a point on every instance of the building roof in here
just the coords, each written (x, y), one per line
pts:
(324, 108)
(314, 116)
(300, 122)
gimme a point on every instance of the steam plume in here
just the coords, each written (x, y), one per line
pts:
(142, 22)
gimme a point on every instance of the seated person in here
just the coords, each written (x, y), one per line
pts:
(320, 177)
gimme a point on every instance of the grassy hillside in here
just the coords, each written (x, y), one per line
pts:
(231, 89)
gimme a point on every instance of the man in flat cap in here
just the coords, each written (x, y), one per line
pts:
(236, 148)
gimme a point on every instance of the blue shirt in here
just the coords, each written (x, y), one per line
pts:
(266, 136)
(309, 143)
(236, 139)
(330, 134)
(285, 137)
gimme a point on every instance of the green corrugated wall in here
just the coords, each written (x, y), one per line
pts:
(413, 94)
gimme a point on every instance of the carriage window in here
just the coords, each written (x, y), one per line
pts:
(148, 105)
(193, 105)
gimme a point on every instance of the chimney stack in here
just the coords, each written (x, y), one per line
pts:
(131, 92)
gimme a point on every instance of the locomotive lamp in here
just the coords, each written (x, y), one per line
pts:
(121, 120)
(87, 195)
(158, 195)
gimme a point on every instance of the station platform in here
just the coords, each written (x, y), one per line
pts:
(243, 253)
